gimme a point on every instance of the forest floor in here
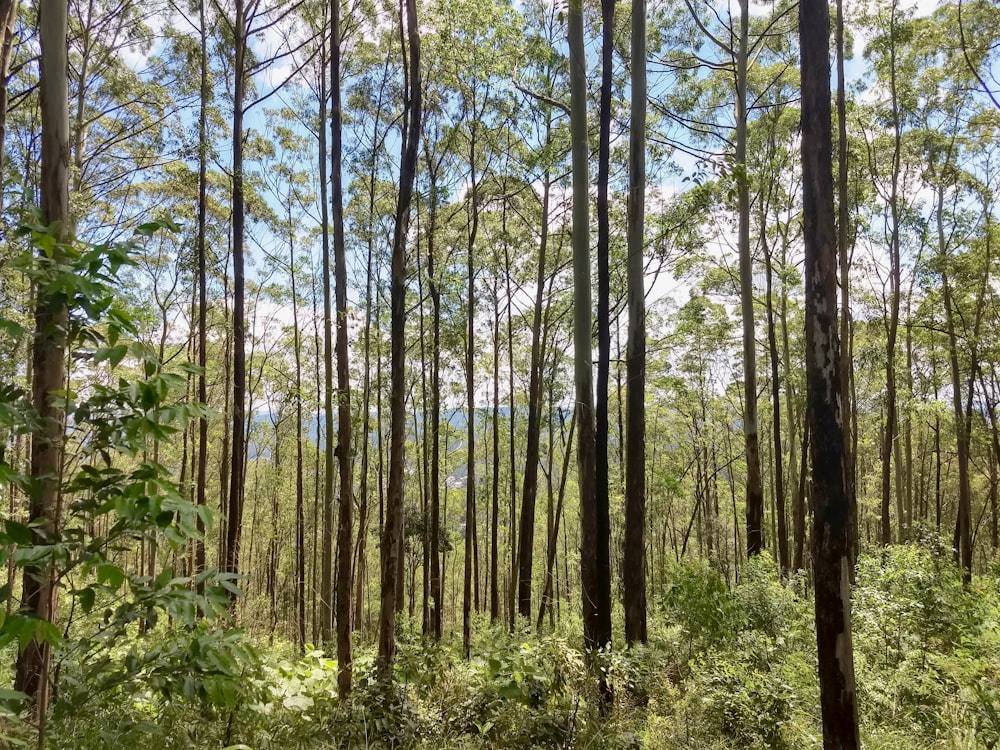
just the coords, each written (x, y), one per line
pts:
(724, 668)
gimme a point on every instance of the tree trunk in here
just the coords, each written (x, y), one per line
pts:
(234, 527)
(435, 406)
(831, 547)
(553, 544)
(779, 475)
(494, 521)
(634, 564)
(345, 448)
(602, 592)
(890, 433)
(754, 488)
(470, 344)
(300, 508)
(202, 479)
(40, 586)
(582, 327)
(963, 530)
(392, 542)
(8, 16)
(361, 567)
(843, 234)
(326, 585)
(526, 533)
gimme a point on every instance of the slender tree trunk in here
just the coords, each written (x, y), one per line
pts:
(470, 483)
(553, 544)
(779, 475)
(435, 406)
(326, 584)
(894, 291)
(602, 632)
(754, 488)
(991, 407)
(843, 235)
(8, 17)
(300, 507)
(234, 527)
(227, 391)
(202, 478)
(361, 567)
(423, 438)
(634, 564)
(345, 447)
(963, 530)
(40, 586)
(392, 542)
(831, 545)
(317, 473)
(511, 589)
(494, 521)
(799, 505)
(582, 327)
(526, 534)
(908, 424)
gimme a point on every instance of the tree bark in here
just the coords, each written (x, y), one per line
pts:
(392, 541)
(582, 327)
(892, 325)
(345, 448)
(634, 563)
(779, 474)
(40, 586)
(754, 488)
(202, 479)
(526, 533)
(470, 417)
(234, 527)
(843, 235)
(831, 511)
(602, 495)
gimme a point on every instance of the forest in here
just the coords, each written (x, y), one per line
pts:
(500, 374)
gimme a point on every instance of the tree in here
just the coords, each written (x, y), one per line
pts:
(582, 345)
(392, 541)
(48, 355)
(204, 95)
(634, 565)
(344, 448)
(831, 507)
(602, 592)
(524, 556)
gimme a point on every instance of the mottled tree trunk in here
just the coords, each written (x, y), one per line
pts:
(831, 507)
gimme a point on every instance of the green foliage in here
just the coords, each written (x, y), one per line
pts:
(114, 497)
(724, 669)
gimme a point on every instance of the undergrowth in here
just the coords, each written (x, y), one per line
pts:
(724, 668)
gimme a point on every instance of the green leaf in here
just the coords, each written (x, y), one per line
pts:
(12, 329)
(113, 354)
(18, 533)
(87, 597)
(163, 578)
(110, 575)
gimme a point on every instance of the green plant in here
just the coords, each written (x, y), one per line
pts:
(114, 497)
